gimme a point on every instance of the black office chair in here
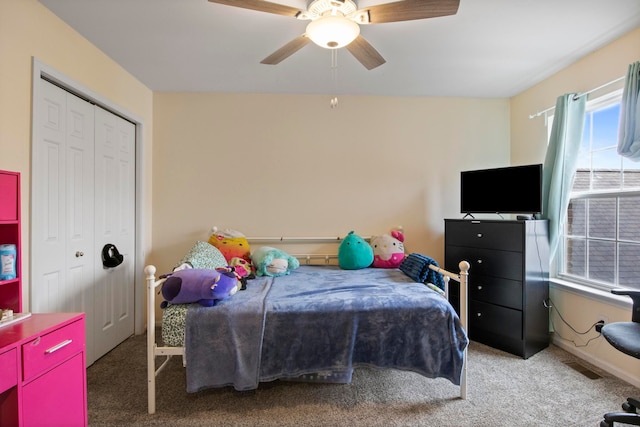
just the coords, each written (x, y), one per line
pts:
(625, 336)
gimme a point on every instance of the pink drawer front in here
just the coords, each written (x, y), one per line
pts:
(48, 350)
(8, 370)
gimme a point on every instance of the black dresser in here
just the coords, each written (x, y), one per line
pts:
(508, 281)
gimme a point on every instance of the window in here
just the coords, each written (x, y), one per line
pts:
(601, 236)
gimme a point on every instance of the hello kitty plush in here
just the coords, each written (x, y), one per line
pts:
(388, 250)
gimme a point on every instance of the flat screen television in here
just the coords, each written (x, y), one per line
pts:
(509, 190)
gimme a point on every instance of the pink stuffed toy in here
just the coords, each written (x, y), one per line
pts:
(388, 250)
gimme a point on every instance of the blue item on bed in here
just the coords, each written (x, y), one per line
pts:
(416, 266)
(323, 318)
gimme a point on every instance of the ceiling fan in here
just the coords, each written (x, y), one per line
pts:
(336, 23)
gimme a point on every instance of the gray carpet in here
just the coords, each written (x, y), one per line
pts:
(503, 390)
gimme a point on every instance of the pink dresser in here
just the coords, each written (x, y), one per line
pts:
(42, 371)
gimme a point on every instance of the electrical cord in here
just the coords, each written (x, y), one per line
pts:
(550, 305)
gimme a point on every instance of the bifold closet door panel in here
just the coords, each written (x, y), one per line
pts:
(62, 203)
(114, 225)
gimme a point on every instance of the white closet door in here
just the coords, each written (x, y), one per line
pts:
(62, 204)
(83, 196)
(114, 224)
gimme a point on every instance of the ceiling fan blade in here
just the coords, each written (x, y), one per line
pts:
(408, 10)
(261, 6)
(287, 50)
(365, 53)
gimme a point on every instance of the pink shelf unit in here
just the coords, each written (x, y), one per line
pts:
(42, 357)
(10, 223)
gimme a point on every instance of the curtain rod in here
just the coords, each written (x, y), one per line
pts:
(580, 95)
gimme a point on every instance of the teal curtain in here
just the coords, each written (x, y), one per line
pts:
(560, 162)
(629, 131)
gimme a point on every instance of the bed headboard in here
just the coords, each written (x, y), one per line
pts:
(309, 250)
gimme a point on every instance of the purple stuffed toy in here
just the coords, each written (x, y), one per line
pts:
(197, 285)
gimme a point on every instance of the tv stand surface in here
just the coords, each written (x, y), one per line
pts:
(521, 217)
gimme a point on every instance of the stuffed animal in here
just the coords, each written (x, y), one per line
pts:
(270, 261)
(231, 243)
(229, 270)
(242, 267)
(354, 253)
(203, 286)
(388, 249)
(243, 271)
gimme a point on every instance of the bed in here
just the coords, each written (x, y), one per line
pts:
(317, 324)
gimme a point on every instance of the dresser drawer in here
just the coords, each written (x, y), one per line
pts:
(8, 370)
(490, 235)
(487, 262)
(496, 290)
(495, 320)
(48, 350)
(57, 398)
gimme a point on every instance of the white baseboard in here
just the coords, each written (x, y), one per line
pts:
(601, 364)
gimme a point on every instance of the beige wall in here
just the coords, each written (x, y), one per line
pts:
(28, 30)
(273, 165)
(288, 164)
(528, 144)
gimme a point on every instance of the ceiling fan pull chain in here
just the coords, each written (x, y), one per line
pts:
(334, 76)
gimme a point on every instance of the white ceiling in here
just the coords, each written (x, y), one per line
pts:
(490, 48)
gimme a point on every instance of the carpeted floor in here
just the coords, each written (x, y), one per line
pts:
(503, 390)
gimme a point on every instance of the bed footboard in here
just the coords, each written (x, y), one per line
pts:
(153, 349)
(463, 278)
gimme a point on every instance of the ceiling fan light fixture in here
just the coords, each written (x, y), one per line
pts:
(332, 31)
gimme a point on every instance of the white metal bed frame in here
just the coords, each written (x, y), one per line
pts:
(154, 350)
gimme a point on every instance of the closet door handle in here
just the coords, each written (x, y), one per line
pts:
(79, 254)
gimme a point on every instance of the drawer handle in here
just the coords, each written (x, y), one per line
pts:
(479, 261)
(479, 235)
(479, 287)
(479, 314)
(58, 346)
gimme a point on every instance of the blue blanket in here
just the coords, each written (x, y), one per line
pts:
(323, 319)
